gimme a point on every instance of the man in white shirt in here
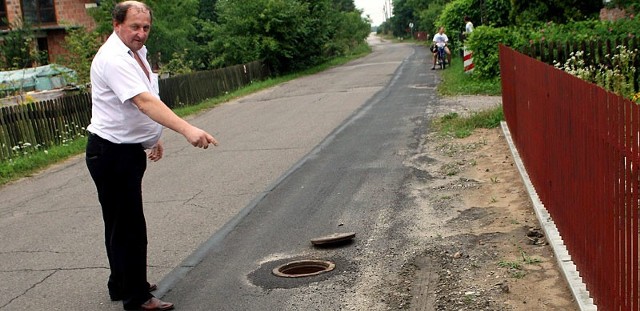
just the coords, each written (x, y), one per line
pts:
(127, 119)
(440, 40)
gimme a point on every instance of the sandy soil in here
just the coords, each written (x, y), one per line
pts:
(484, 249)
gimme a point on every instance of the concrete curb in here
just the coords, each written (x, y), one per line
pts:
(578, 288)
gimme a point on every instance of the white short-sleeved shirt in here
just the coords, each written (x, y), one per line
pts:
(469, 27)
(440, 39)
(116, 78)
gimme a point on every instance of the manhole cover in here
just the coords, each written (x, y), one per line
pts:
(303, 268)
(335, 238)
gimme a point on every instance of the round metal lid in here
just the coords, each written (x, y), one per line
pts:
(333, 238)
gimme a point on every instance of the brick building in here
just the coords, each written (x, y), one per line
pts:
(51, 18)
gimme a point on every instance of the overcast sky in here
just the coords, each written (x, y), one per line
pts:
(373, 8)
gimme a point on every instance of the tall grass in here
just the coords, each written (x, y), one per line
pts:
(456, 82)
(460, 127)
(27, 165)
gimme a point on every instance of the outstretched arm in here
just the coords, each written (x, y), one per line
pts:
(159, 112)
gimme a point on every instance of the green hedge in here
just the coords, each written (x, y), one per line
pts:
(484, 43)
(484, 40)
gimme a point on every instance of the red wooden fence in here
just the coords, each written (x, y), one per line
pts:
(581, 148)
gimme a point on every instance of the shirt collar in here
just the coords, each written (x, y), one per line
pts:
(120, 46)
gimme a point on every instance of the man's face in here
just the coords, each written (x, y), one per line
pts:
(441, 30)
(134, 31)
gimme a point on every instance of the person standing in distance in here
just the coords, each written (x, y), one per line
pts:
(127, 119)
(468, 26)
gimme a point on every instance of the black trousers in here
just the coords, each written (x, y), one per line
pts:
(117, 171)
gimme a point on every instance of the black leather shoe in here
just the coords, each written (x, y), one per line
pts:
(155, 304)
(118, 296)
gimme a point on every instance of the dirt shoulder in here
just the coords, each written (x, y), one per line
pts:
(484, 248)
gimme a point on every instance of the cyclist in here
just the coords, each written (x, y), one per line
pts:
(440, 40)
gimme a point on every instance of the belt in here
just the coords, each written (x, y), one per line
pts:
(105, 141)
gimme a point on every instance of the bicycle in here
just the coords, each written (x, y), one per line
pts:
(442, 57)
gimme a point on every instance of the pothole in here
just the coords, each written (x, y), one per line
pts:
(303, 268)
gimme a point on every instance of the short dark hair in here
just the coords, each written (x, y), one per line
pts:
(119, 12)
(466, 18)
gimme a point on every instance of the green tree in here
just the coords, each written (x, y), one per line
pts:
(207, 10)
(385, 27)
(452, 17)
(173, 30)
(403, 14)
(287, 34)
(344, 5)
(484, 43)
(18, 48)
(321, 20)
(494, 13)
(559, 11)
(632, 6)
(482, 12)
(258, 29)
(102, 16)
(427, 17)
(348, 32)
(81, 46)
(422, 13)
(178, 65)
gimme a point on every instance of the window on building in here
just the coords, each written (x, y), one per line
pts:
(38, 11)
(3, 14)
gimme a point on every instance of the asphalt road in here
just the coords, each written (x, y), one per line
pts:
(313, 156)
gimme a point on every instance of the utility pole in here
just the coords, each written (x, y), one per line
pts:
(384, 9)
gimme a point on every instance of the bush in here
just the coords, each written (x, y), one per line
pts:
(559, 11)
(484, 40)
(580, 31)
(81, 46)
(452, 18)
(427, 18)
(491, 13)
(287, 35)
(495, 13)
(18, 49)
(484, 43)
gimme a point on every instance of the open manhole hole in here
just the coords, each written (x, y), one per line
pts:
(303, 268)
